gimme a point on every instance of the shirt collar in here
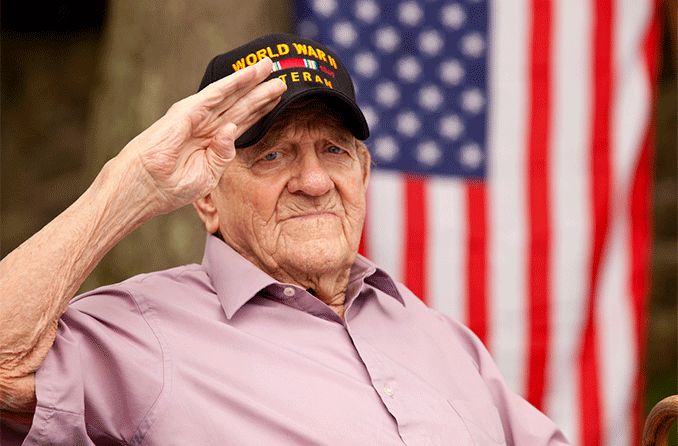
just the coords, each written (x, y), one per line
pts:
(236, 280)
(367, 271)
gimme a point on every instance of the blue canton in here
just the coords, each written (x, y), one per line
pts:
(420, 69)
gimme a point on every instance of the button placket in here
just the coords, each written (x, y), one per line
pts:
(381, 375)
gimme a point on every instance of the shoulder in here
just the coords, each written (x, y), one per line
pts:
(188, 275)
(138, 293)
(111, 356)
(127, 318)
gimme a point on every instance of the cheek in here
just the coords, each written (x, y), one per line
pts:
(263, 202)
(259, 199)
(353, 195)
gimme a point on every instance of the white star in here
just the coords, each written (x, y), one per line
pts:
(370, 116)
(386, 149)
(344, 33)
(430, 97)
(407, 123)
(450, 127)
(451, 72)
(387, 94)
(325, 7)
(470, 155)
(472, 100)
(452, 16)
(428, 153)
(430, 42)
(408, 69)
(410, 13)
(366, 10)
(387, 39)
(366, 64)
(473, 44)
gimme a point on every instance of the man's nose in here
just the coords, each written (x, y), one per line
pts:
(310, 176)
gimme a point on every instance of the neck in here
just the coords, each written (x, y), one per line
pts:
(326, 283)
(330, 288)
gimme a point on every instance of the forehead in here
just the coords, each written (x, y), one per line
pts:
(296, 125)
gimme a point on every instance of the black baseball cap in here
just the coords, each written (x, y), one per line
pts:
(309, 69)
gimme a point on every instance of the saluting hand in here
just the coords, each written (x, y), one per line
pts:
(183, 155)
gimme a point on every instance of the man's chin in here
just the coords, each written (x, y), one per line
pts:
(319, 255)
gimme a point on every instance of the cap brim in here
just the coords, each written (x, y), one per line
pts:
(349, 112)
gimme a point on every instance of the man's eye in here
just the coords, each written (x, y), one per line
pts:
(336, 150)
(271, 156)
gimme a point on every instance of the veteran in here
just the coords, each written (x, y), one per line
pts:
(283, 334)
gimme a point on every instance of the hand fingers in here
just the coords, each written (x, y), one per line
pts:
(221, 94)
(228, 101)
(271, 89)
(249, 107)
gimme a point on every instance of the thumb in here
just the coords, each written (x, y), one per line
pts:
(222, 148)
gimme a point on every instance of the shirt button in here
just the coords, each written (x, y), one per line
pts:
(289, 291)
(388, 390)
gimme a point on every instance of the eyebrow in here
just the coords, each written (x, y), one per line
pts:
(342, 139)
(258, 149)
(271, 141)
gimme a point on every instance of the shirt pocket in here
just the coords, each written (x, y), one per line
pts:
(481, 420)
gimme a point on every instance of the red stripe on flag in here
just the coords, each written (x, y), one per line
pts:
(639, 267)
(539, 232)
(415, 235)
(591, 409)
(641, 216)
(476, 266)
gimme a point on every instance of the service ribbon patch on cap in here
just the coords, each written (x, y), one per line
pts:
(285, 63)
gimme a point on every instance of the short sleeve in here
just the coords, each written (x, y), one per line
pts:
(523, 424)
(103, 377)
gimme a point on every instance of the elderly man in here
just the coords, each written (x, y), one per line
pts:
(283, 334)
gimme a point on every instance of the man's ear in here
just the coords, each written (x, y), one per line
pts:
(207, 212)
(365, 161)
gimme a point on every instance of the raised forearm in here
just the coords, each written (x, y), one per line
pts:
(38, 279)
(177, 160)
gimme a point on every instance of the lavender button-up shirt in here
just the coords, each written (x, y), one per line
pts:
(222, 354)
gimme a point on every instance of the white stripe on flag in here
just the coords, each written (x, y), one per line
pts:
(616, 341)
(446, 263)
(506, 203)
(630, 113)
(570, 217)
(385, 221)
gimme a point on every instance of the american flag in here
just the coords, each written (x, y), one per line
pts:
(511, 190)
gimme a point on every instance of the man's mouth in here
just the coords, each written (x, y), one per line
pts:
(311, 215)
